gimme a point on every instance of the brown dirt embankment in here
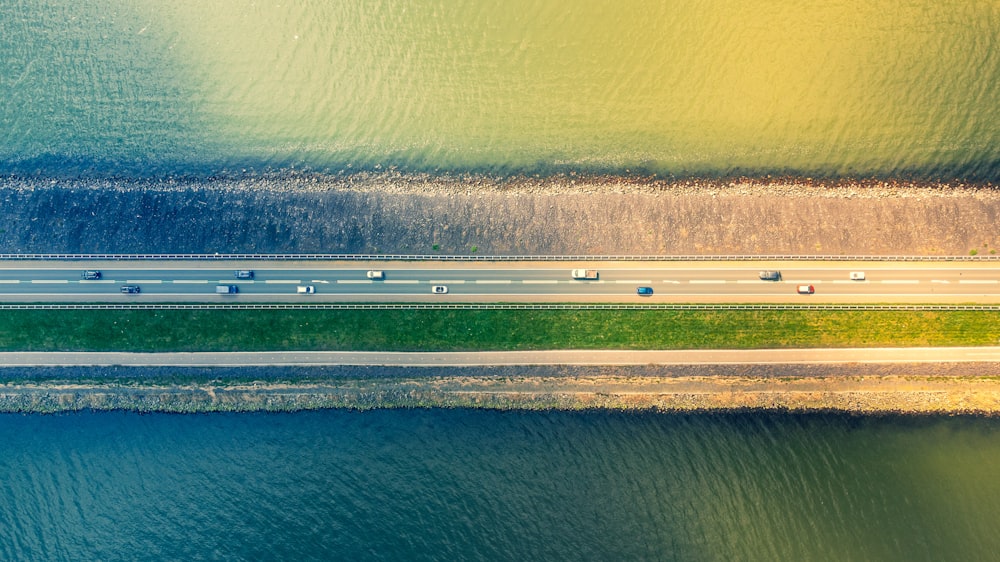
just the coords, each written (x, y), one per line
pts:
(411, 213)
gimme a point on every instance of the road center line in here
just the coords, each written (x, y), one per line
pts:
(493, 281)
(446, 282)
(634, 282)
(284, 281)
(144, 281)
(539, 281)
(355, 281)
(900, 282)
(707, 281)
(41, 281)
(10, 281)
(402, 281)
(190, 281)
(978, 281)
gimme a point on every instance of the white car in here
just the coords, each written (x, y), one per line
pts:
(376, 275)
(305, 289)
(857, 276)
(439, 289)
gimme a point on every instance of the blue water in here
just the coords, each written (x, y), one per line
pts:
(447, 485)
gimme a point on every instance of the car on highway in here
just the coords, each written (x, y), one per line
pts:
(305, 289)
(806, 289)
(227, 289)
(770, 275)
(857, 276)
(439, 289)
(644, 291)
(130, 289)
(91, 274)
(244, 274)
(376, 274)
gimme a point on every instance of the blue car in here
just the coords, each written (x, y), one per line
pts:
(644, 291)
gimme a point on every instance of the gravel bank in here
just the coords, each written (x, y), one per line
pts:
(397, 213)
(854, 389)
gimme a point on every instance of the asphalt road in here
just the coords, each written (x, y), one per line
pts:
(196, 281)
(494, 358)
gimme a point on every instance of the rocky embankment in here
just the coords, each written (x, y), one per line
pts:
(856, 389)
(399, 213)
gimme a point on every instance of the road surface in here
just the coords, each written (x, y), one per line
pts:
(274, 281)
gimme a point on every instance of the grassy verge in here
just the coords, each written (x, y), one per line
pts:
(457, 330)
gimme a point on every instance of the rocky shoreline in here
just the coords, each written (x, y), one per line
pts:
(917, 389)
(391, 212)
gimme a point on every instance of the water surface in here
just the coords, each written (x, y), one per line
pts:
(433, 485)
(841, 88)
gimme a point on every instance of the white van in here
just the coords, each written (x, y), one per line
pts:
(376, 275)
(305, 289)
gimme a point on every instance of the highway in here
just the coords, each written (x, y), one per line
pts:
(276, 281)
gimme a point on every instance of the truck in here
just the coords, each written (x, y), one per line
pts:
(584, 274)
(226, 289)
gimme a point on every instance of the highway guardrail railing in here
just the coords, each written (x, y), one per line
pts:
(491, 258)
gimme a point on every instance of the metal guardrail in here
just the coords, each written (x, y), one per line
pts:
(471, 258)
(500, 306)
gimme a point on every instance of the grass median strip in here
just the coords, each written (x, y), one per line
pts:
(463, 330)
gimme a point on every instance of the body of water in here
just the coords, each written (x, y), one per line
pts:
(839, 88)
(479, 485)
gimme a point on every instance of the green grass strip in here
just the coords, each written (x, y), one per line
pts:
(462, 330)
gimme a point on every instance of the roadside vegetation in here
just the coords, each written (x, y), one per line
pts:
(464, 330)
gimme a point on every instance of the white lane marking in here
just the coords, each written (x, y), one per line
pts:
(671, 281)
(706, 282)
(843, 282)
(900, 282)
(978, 281)
(96, 281)
(753, 281)
(144, 281)
(323, 281)
(353, 281)
(801, 282)
(539, 281)
(40, 281)
(284, 281)
(407, 281)
(940, 281)
(11, 281)
(446, 282)
(634, 282)
(494, 282)
(191, 281)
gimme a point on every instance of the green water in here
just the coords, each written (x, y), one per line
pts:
(838, 88)
(479, 485)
